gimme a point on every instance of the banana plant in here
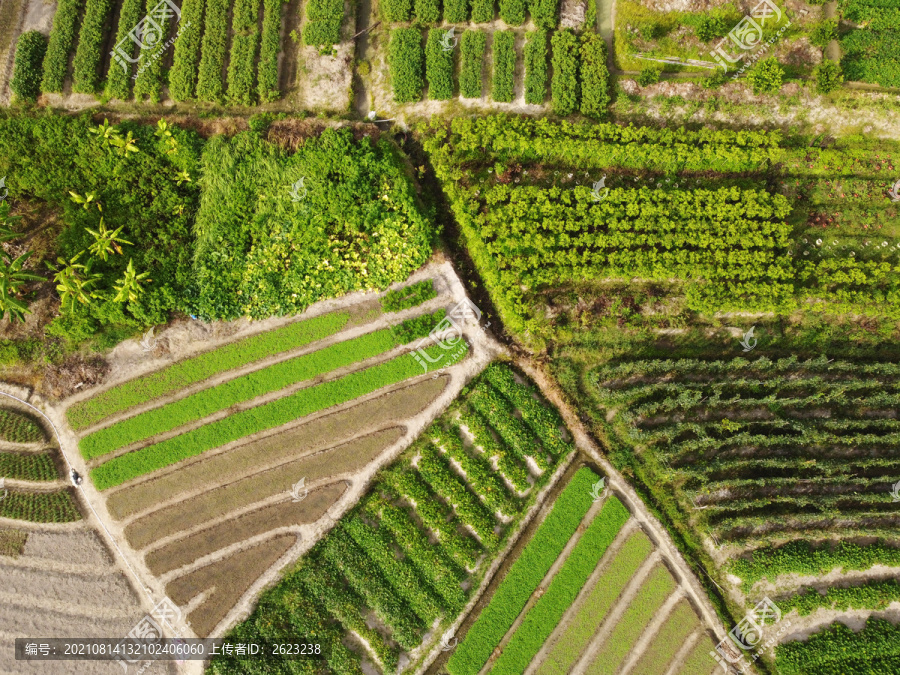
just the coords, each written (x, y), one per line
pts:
(106, 242)
(86, 201)
(163, 132)
(6, 232)
(106, 133)
(125, 144)
(182, 177)
(74, 281)
(129, 286)
(12, 278)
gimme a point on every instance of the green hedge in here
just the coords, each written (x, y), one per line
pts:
(88, 55)
(544, 13)
(564, 85)
(28, 466)
(482, 11)
(594, 76)
(118, 79)
(62, 39)
(186, 60)
(545, 614)
(27, 68)
(323, 27)
(427, 11)
(213, 51)
(456, 11)
(438, 66)
(524, 576)
(267, 416)
(396, 10)
(504, 55)
(474, 43)
(512, 12)
(408, 296)
(407, 64)
(245, 388)
(197, 368)
(536, 67)
(267, 73)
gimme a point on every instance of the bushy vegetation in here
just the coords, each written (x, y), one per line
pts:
(185, 64)
(17, 427)
(504, 58)
(456, 11)
(564, 87)
(512, 12)
(267, 73)
(406, 60)
(362, 229)
(396, 10)
(28, 466)
(594, 76)
(40, 507)
(482, 11)
(427, 11)
(323, 27)
(828, 76)
(411, 552)
(408, 296)
(438, 66)
(536, 67)
(118, 77)
(27, 69)
(88, 55)
(766, 76)
(213, 51)
(544, 13)
(874, 649)
(473, 45)
(59, 47)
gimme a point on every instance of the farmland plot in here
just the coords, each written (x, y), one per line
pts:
(220, 467)
(414, 548)
(589, 593)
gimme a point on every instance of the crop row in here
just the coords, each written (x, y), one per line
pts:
(545, 614)
(31, 48)
(198, 368)
(509, 463)
(838, 649)
(149, 79)
(408, 296)
(323, 22)
(545, 13)
(438, 66)
(536, 67)
(473, 45)
(118, 77)
(88, 54)
(561, 657)
(877, 595)
(524, 575)
(40, 507)
(456, 11)
(267, 416)
(17, 427)
(406, 59)
(267, 70)
(504, 58)
(27, 466)
(564, 89)
(515, 434)
(427, 11)
(62, 39)
(213, 50)
(595, 97)
(186, 60)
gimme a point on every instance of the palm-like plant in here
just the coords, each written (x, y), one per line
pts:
(182, 177)
(6, 232)
(106, 242)
(106, 133)
(164, 132)
(12, 278)
(125, 144)
(129, 286)
(74, 281)
(85, 201)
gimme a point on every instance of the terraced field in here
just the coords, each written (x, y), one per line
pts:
(220, 467)
(588, 593)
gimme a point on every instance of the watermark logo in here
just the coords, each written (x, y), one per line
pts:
(748, 34)
(749, 341)
(3, 490)
(599, 191)
(298, 190)
(597, 490)
(894, 192)
(299, 491)
(895, 492)
(448, 642)
(747, 636)
(448, 335)
(147, 34)
(449, 41)
(149, 628)
(3, 191)
(148, 342)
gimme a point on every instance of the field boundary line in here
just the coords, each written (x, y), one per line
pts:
(637, 650)
(26, 448)
(611, 552)
(684, 650)
(38, 486)
(547, 580)
(611, 620)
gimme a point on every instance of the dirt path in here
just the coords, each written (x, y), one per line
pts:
(833, 50)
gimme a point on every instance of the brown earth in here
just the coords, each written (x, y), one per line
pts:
(263, 453)
(216, 503)
(283, 514)
(12, 542)
(226, 581)
(73, 548)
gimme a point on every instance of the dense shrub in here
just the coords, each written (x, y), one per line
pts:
(766, 76)
(473, 46)
(88, 55)
(27, 69)
(512, 11)
(149, 79)
(711, 26)
(482, 11)
(544, 13)
(504, 57)
(456, 11)
(186, 60)
(536, 67)
(438, 66)
(427, 11)
(824, 32)
(323, 27)
(828, 76)
(213, 51)
(396, 10)
(118, 77)
(594, 76)
(649, 75)
(564, 85)
(62, 39)
(406, 62)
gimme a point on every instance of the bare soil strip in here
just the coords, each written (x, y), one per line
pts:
(216, 503)
(269, 451)
(227, 580)
(111, 589)
(77, 548)
(283, 514)
(12, 542)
